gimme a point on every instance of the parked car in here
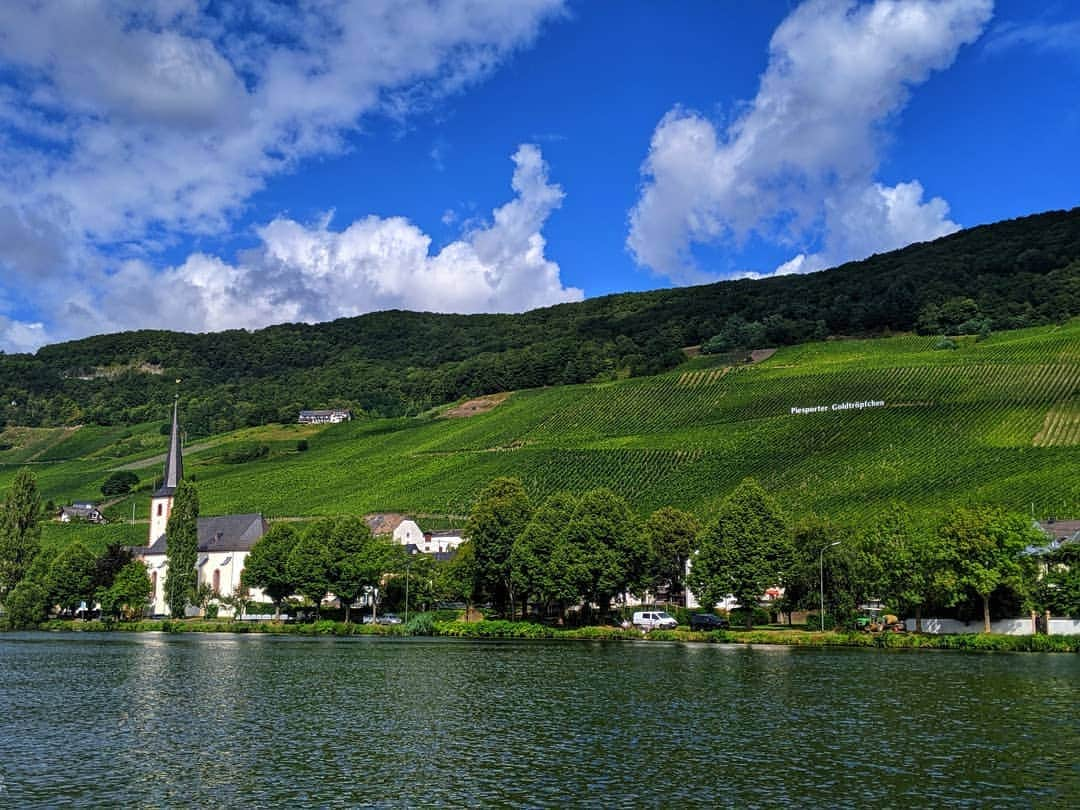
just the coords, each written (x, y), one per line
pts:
(388, 618)
(654, 620)
(707, 621)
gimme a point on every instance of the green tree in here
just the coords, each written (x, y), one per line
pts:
(1059, 589)
(985, 545)
(120, 482)
(600, 553)
(129, 592)
(746, 551)
(27, 604)
(71, 577)
(20, 535)
(671, 536)
(266, 567)
(182, 549)
(802, 582)
(499, 515)
(311, 563)
(530, 558)
(359, 560)
(910, 564)
(458, 577)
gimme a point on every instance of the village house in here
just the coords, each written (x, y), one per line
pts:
(223, 542)
(324, 417)
(81, 511)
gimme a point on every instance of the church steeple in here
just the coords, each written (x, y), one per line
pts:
(174, 462)
(161, 501)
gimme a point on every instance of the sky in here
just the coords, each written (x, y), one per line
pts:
(200, 166)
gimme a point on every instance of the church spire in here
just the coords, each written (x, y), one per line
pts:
(174, 462)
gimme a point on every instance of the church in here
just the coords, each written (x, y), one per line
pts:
(224, 542)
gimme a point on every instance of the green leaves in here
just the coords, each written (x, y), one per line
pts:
(20, 535)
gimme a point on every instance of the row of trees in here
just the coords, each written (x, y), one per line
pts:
(570, 550)
(588, 550)
(33, 580)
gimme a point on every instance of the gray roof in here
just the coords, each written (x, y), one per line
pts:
(174, 462)
(224, 533)
(1061, 529)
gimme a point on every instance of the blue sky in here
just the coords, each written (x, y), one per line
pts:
(183, 165)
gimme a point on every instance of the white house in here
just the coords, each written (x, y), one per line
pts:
(408, 532)
(330, 416)
(223, 542)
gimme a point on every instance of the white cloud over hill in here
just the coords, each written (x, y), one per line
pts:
(798, 165)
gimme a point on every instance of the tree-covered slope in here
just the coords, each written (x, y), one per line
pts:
(1008, 275)
(992, 421)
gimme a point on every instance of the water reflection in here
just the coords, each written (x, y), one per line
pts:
(239, 720)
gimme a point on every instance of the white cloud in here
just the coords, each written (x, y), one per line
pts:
(127, 123)
(798, 165)
(313, 273)
(1062, 36)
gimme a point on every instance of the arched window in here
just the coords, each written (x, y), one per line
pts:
(153, 583)
(217, 580)
(159, 507)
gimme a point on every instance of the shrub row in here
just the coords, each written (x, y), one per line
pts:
(425, 624)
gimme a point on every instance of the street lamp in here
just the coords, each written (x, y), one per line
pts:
(821, 573)
(408, 568)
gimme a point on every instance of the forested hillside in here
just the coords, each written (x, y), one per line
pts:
(1008, 275)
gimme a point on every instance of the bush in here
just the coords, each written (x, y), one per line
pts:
(737, 617)
(301, 446)
(119, 483)
(943, 343)
(422, 624)
(26, 605)
(246, 453)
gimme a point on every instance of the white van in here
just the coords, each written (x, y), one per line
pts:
(654, 620)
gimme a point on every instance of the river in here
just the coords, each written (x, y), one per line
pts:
(154, 720)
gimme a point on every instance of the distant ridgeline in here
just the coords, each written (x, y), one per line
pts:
(1012, 274)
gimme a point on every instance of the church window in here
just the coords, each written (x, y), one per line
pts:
(217, 581)
(153, 585)
(159, 510)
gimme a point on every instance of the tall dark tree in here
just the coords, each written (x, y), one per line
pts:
(266, 567)
(182, 549)
(20, 535)
(499, 515)
(128, 593)
(746, 551)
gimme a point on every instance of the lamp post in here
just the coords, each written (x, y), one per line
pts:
(821, 574)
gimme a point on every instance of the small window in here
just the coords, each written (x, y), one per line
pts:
(153, 584)
(217, 580)
(159, 507)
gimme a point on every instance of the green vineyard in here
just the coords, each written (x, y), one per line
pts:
(836, 427)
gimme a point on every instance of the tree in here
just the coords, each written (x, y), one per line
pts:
(359, 560)
(1059, 589)
(530, 557)
(671, 535)
(109, 564)
(985, 545)
(458, 580)
(600, 553)
(27, 604)
(239, 600)
(120, 482)
(499, 515)
(909, 563)
(746, 551)
(310, 564)
(182, 549)
(20, 535)
(266, 567)
(129, 592)
(802, 582)
(71, 577)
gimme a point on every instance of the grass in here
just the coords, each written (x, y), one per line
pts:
(992, 421)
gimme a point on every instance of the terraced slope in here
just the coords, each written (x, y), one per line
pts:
(993, 421)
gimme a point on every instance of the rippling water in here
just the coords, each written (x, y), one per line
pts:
(254, 721)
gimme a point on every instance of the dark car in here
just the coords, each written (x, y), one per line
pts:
(707, 621)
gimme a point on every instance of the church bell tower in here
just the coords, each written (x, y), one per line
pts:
(161, 502)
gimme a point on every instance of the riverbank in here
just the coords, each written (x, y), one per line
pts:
(528, 630)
